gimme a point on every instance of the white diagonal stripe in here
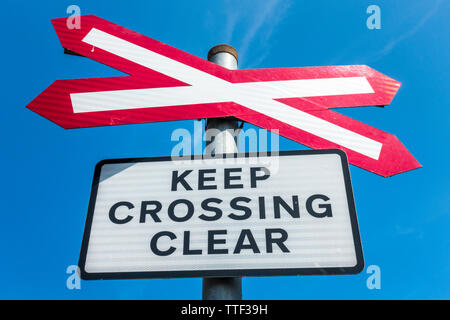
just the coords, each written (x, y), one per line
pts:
(173, 96)
(147, 58)
(206, 88)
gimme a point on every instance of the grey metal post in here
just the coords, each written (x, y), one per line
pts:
(222, 141)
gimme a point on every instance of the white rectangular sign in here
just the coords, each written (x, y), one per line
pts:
(251, 215)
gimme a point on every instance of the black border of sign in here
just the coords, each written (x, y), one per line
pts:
(224, 273)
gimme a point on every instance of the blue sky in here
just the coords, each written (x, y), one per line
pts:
(47, 171)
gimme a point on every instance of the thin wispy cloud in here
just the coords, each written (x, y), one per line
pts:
(392, 43)
(257, 20)
(232, 17)
(403, 23)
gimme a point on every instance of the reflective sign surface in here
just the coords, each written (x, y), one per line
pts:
(251, 215)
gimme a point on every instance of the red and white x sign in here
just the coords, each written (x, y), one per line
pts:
(168, 84)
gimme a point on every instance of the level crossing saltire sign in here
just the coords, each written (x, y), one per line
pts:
(290, 213)
(165, 84)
